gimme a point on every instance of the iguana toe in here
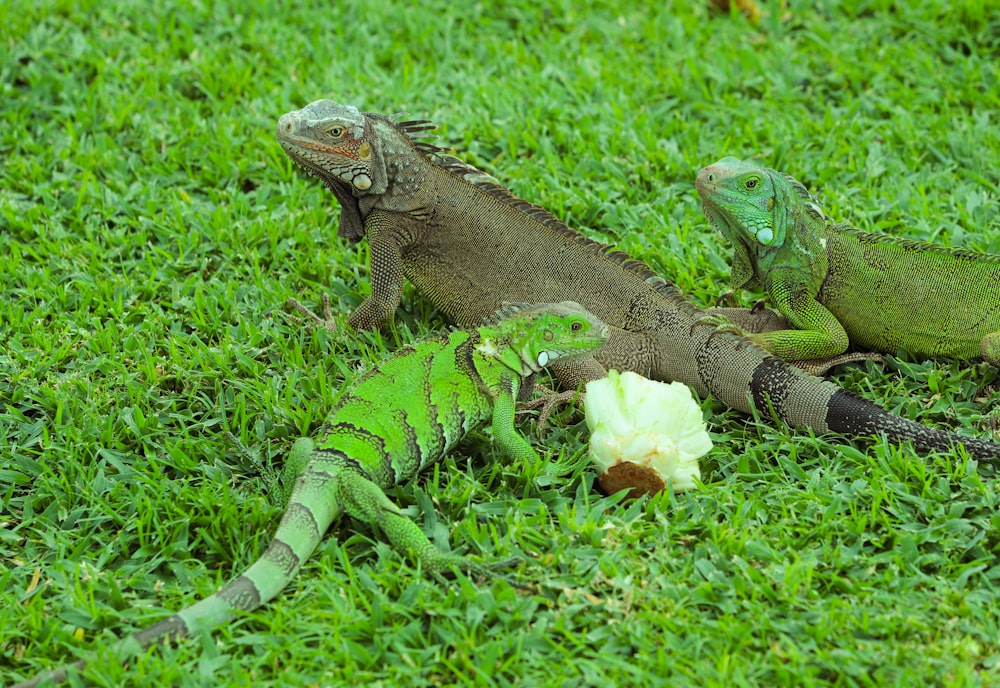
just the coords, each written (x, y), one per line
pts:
(326, 322)
(547, 404)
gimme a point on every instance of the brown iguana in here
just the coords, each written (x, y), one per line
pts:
(469, 245)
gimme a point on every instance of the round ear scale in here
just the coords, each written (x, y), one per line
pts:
(765, 236)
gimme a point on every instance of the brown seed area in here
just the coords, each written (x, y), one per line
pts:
(625, 475)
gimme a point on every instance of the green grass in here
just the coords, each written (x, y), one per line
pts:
(151, 228)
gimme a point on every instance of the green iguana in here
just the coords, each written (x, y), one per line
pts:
(468, 245)
(400, 417)
(839, 285)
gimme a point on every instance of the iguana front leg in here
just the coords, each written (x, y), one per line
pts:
(819, 333)
(759, 319)
(385, 270)
(385, 240)
(511, 442)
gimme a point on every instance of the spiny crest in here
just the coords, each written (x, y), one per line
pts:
(489, 184)
(414, 130)
(471, 174)
(810, 202)
(918, 246)
(507, 310)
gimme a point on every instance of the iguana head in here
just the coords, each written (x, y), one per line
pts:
(334, 143)
(364, 158)
(528, 338)
(331, 141)
(749, 204)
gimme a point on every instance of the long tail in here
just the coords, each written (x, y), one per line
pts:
(732, 369)
(852, 415)
(311, 510)
(803, 400)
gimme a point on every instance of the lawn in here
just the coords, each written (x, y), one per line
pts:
(151, 229)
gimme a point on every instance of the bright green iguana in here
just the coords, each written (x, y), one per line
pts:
(468, 245)
(402, 416)
(840, 285)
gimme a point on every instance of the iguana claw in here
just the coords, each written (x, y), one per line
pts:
(327, 322)
(546, 404)
(727, 299)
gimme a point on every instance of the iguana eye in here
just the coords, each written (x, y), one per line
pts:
(751, 183)
(335, 132)
(576, 327)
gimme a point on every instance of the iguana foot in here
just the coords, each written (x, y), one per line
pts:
(546, 404)
(727, 299)
(489, 571)
(279, 483)
(326, 322)
(754, 320)
(497, 569)
(719, 322)
(268, 473)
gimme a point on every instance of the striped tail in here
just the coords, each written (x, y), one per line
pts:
(312, 508)
(851, 415)
(802, 400)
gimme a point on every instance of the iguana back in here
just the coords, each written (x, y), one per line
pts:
(837, 283)
(468, 246)
(893, 294)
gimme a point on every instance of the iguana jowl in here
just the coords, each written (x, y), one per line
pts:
(840, 285)
(468, 245)
(397, 419)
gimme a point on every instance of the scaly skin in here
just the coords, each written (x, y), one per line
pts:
(469, 245)
(841, 286)
(404, 415)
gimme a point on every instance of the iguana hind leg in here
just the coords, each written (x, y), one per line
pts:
(365, 501)
(989, 346)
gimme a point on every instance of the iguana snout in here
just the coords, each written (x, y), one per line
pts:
(709, 178)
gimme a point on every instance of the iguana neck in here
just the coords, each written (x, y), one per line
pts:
(805, 235)
(408, 171)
